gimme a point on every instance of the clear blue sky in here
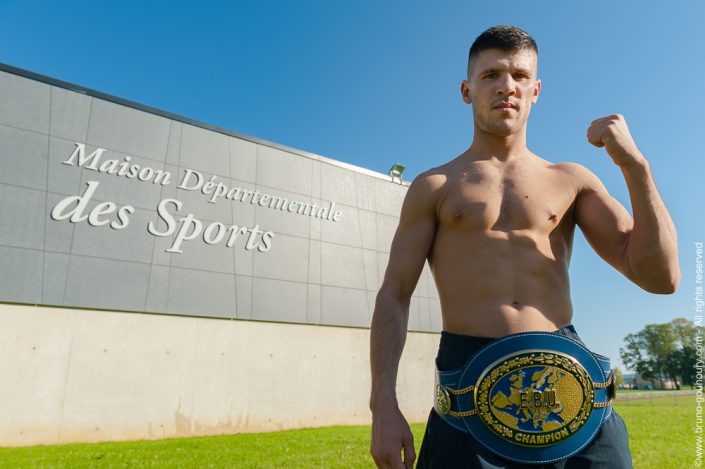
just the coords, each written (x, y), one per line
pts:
(373, 83)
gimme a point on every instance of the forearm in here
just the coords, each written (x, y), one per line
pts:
(652, 247)
(387, 338)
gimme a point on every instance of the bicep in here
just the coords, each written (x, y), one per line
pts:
(605, 223)
(411, 243)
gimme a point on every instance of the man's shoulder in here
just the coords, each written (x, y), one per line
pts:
(567, 177)
(430, 180)
(582, 177)
(569, 167)
(425, 191)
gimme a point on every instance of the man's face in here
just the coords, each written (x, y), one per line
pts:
(502, 86)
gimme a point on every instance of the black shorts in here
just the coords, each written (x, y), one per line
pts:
(445, 447)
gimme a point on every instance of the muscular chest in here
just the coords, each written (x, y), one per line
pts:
(535, 200)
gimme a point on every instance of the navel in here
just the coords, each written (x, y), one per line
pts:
(553, 217)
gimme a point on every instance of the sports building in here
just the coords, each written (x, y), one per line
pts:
(161, 277)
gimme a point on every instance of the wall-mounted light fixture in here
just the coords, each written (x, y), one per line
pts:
(397, 171)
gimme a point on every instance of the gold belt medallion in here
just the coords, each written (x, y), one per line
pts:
(534, 398)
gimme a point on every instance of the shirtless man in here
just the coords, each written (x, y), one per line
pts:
(496, 225)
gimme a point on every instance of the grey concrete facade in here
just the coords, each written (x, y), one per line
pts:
(81, 375)
(320, 260)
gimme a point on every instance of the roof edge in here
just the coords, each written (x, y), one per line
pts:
(186, 120)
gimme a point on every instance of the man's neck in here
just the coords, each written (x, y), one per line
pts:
(486, 146)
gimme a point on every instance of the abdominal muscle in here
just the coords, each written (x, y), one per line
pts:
(496, 283)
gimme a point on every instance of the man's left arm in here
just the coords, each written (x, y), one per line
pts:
(644, 249)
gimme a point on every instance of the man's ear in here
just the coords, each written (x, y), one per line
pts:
(465, 92)
(537, 90)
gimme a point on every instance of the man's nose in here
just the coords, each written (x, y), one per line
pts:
(506, 85)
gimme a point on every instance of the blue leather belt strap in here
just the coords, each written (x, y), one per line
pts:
(492, 396)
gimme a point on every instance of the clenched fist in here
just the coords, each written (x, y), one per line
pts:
(612, 133)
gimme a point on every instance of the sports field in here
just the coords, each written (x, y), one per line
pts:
(661, 436)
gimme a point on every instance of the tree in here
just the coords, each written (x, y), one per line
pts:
(681, 364)
(661, 351)
(618, 377)
(635, 357)
(660, 344)
(685, 331)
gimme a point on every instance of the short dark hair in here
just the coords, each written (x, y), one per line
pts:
(503, 37)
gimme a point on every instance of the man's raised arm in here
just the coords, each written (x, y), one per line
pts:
(645, 249)
(408, 253)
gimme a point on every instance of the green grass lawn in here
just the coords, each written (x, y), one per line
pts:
(661, 431)
(660, 437)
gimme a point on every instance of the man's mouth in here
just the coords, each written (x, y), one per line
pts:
(506, 105)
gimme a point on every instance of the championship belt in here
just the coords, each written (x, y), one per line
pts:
(532, 397)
